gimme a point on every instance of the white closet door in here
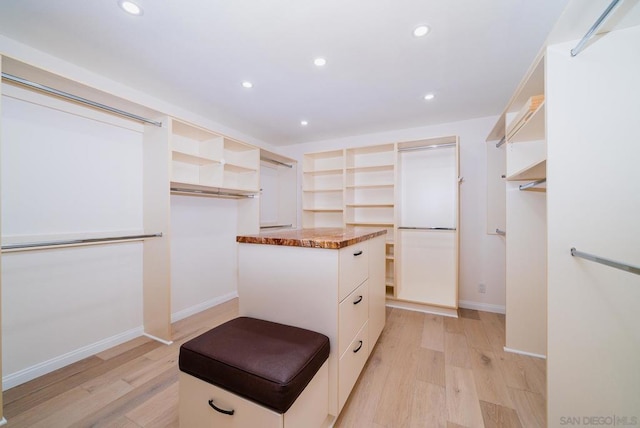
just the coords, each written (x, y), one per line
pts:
(427, 233)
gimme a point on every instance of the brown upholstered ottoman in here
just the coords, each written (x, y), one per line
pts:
(251, 372)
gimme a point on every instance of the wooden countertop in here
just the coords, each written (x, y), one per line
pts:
(331, 238)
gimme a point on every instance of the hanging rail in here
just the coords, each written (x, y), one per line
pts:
(425, 228)
(211, 193)
(501, 142)
(75, 98)
(276, 226)
(501, 232)
(47, 244)
(434, 146)
(532, 184)
(612, 263)
(277, 162)
(575, 51)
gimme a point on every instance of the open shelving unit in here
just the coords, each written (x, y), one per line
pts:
(202, 160)
(323, 189)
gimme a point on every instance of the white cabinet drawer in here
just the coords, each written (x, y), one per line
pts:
(353, 313)
(351, 364)
(195, 411)
(353, 269)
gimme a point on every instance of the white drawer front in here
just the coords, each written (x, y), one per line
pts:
(351, 364)
(354, 312)
(195, 411)
(354, 268)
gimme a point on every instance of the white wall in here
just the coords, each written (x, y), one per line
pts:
(482, 256)
(203, 253)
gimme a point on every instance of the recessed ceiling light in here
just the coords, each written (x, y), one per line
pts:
(421, 31)
(246, 84)
(130, 7)
(320, 62)
(429, 97)
(304, 123)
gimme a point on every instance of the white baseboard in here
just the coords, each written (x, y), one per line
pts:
(202, 306)
(3, 421)
(485, 307)
(157, 339)
(40, 369)
(428, 309)
(528, 354)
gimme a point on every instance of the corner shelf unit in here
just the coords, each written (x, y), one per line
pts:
(353, 187)
(204, 160)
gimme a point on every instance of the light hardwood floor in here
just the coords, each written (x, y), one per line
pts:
(425, 371)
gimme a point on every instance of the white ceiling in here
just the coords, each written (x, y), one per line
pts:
(196, 53)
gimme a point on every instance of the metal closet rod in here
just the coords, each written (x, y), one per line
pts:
(277, 162)
(575, 51)
(501, 232)
(501, 142)
(425, 228)
(276, 226)
(76, 98)
(434, 146)
(533, 183)
(44, 244)
(612, 263)
(210, 193)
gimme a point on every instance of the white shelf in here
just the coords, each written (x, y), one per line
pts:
(323, 210)
(370, 168)
(535, 171)
(178, 156)
(324, 171)
(532, 129)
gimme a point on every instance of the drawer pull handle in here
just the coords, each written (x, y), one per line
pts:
(358, 301)
(359, 347)
(357, 253)
(218, 409)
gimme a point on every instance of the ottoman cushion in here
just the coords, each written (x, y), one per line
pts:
(263, 361)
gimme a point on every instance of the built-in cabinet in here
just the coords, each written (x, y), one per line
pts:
(337, 292)
(364, 187)
(519, 140)
(201, 158)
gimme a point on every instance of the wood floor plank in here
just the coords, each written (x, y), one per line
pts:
(463, 406)
(135, 397)
(453, 325)
(488, 377)
(476, 336)
(65, 400)
(84, 407)
(124, 347)
(494, 330)
(433, 333)
(520, 372)
(160, 410)
(456, 350)
(531, 408)
(429, 408)
(496, 416)
(431, 367)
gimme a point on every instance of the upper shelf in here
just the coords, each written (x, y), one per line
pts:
(528, 124)
(535, 171)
